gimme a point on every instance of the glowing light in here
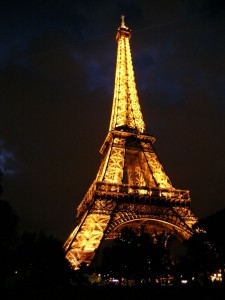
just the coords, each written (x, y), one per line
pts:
(131, 181)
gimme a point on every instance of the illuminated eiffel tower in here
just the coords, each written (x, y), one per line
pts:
(131, 188)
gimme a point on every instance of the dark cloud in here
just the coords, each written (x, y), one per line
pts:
(57, 72)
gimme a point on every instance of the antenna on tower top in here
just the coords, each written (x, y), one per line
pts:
(122, 23)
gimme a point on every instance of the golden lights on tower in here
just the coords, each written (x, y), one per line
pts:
(131, 185)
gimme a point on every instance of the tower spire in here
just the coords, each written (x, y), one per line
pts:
(122, 23)
(126, 111)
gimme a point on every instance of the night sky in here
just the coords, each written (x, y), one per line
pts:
(57, 68)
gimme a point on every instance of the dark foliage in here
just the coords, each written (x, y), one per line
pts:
(40, 261)
(8, 238)
(139, 257)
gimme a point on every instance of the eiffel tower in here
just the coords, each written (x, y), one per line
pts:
(131, 188)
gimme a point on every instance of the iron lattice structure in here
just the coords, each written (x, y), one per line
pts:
(131, 187)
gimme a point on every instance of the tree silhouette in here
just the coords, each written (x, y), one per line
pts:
(8, 238)
(140, 257)
(41, 261)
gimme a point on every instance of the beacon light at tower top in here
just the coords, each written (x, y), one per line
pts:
(131, 187)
